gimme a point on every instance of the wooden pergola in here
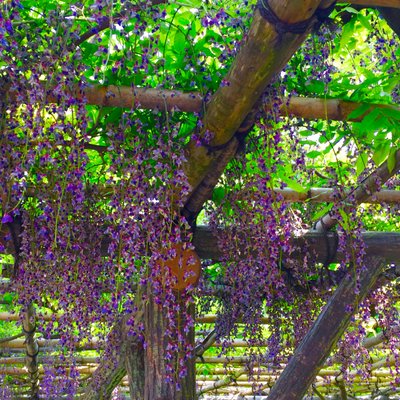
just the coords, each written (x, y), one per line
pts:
(228, 115)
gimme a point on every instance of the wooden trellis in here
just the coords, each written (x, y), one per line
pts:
(231, 110)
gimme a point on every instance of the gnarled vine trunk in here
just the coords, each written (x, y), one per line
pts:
(157, 385)
(134, 364)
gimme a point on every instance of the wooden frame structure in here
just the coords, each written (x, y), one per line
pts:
(229, 112)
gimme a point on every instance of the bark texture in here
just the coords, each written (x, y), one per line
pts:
(32, 350)
(134, 364)
(113, 366)
(156, 385)
(263, 55)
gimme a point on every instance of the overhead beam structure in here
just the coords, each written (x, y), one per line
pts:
(175, 100)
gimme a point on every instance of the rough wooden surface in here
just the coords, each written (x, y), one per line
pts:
(262, 55)
(32, 350)
(156, 385)
(112, 369)
(384, 244)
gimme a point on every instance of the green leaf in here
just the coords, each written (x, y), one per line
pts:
(381, 153)
(292, 184)
(351, 10)
(8, 298)
(364, 21)
(391, 112)
(361, 163)
(179, 42)
(391, 161)
(322, 212)
(313, 154)
(359, 111)
(218, 195)
(345, 219)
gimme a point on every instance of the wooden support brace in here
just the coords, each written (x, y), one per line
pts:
(32, 349)
(325, 332)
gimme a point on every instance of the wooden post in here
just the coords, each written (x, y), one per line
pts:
(32, 349)
(156, 385)
(134, 363)
(316, 346)
(126, 354)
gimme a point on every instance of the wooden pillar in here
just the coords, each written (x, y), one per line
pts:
(32, 349)
(134, 363)
(124, 353)
(156, 386)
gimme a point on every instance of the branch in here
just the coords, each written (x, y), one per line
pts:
(222, 382)
(324, 334)
(261, 57)
(206, 343)
(364, 190)
(112, 367)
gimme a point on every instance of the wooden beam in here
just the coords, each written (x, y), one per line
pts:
(364, 190)
(392, 17)
(316, 346)
(383, 244)
(32, 349)
(261, 57)
(327, 109)
(320, 195)
(169, 100)
(112, 368)
(375, 3)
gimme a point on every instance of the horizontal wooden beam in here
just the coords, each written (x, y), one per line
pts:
(375, 3)
(205, 241)
(45, 343)
(320, 195)
(383, 244)
(168, 100)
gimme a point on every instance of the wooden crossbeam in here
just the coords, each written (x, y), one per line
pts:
(318, 343)
(364, 190)
(192, 102)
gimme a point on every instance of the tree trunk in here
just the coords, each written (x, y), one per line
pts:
(157, 386)
(316, 346)
(125, 353)
(134, 363)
